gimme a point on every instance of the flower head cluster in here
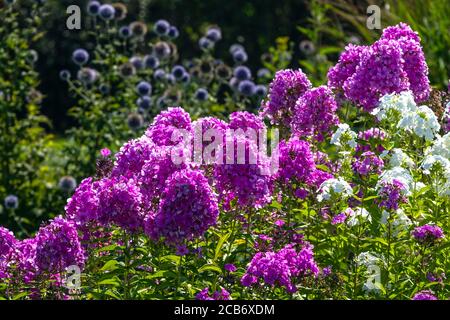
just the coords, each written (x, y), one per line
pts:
(315, 113)
(370, 140)
(428, 234)
(425, 295)
(217, 295)
(247, 177)
(8, 244)
(287, 86)
(58, 246)
(393, 64)
(334, 187)
(367, 164)
(422, 122)
(392, 194)
(245, 120)
(296, 161)
(188, 208)
(132, 156)
(161, 132)
(281, 268)
(344, 137)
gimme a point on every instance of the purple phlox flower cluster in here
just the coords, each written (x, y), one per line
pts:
(248, 181)
(346, 66)
(245, 120)
(315, 113)
(339, 218)
(209, 129)
(158, 168)
(285, 89)
(188, 208)
(230, 267)
(162, 129)
(370, 140)
(58, 246)
(394, 63)
(8, 244)
(281, 268)
(425, 295)
(392, 194)
(82, 208)
(367, 164)
(317, 177)
(105, 152)
(296, 161)
(428, 233)
(119, 203)
(132, 156)
(380, 72)
(222, 294)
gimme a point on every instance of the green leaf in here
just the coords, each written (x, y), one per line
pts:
(114, 282)
(111, 265)
(210, 267)
(220, 245)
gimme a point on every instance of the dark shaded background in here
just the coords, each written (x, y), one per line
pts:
(256, 24)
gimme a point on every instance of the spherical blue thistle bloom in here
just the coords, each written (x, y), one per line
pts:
(93, 8)
(246, 87)
(236, 47)
(64, 75)
(144, 102)
(11, 202)
(144, 88)
(263, 73)
(80, 57)
(107, 12)
(135, 121)
(67, 184)
(242, 73)
(162, 50)
(186, 78)
(87, 75)
(178, 71)
(214, 34)
(161, 27)
(159, 74)
(104, 89)
(125, 32)
(261, 90)
(201, 94)
(151, 62)
(170, 78)
(173, 32)
(234, 83)
(137, 63)
(240, 56)
(205, 43)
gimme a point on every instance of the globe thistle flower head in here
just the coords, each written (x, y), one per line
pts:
(307, 47)
(161, 27)
(151, 62)
(178, 71)
(135, 121)
(144, 103)
(107, 12)
(162, 50)
(93, 8)
(87, 76)
(263, 73)
(261, 90)
(159, 74)
(201, 94)
(67, 184)
(80, 57)
(138, 29)
(137, 62)
(144, 88)
(64, 75)
(125, 32)
(205, 44)
(223, 72)
(173, 32)
(120, 11)
(236, 47)
(104, 89)
(186, 78)
(127, 70)
(247, 88)
(11, 202)
(214, 34)
(240, 56)
(242, 73)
